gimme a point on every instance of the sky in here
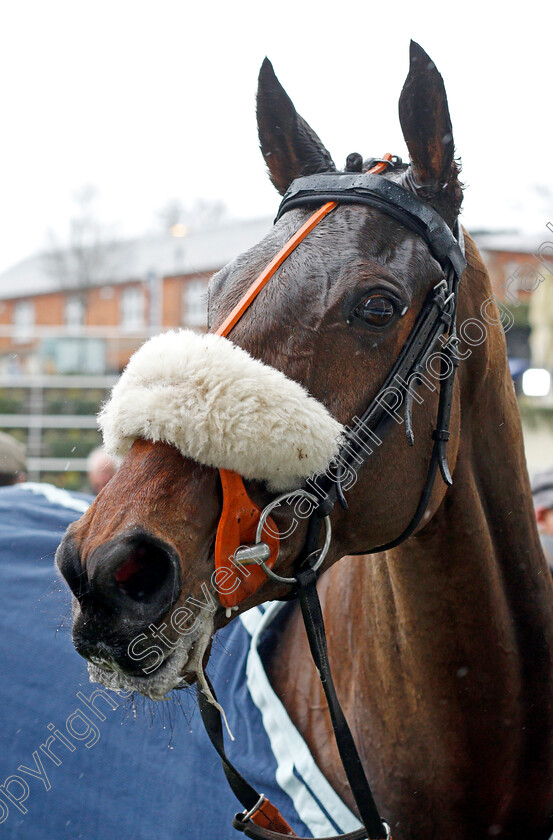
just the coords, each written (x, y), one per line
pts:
(154, 102)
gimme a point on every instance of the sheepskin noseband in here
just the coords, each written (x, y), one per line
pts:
(221, 407)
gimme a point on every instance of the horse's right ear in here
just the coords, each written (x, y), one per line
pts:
(290, 147)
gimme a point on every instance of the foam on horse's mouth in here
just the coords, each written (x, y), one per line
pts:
(185, 660)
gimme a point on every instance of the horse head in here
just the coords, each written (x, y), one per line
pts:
(140, 562)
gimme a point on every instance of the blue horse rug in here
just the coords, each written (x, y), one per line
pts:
(78, 761)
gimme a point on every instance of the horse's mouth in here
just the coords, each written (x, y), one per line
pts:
(180, 668)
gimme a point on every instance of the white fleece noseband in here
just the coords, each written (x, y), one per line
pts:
(221, 407)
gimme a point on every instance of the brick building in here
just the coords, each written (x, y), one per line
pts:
(159, 282)
(520, 266)
(52, 326)
(512, 257)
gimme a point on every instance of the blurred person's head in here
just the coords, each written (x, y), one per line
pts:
(542, 491)
(100, 467)
(13, 462)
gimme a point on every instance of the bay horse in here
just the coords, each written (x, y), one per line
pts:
(441, 646)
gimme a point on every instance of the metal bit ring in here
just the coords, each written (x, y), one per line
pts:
(263, 520)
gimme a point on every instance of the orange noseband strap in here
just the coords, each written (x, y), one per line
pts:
(239, 517)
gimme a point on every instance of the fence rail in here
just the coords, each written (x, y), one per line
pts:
(54, 414)
(45, 380)
(48, 421)
(38, 466)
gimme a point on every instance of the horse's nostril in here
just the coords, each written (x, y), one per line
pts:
(138, 569)
(144, 573)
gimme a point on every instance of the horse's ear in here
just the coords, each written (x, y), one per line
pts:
(426, 125)
(290, 147)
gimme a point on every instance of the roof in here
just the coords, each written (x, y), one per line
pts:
(510, 240)
(201, 250)
(135, 259)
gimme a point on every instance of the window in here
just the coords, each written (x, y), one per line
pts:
(510, 277)
(195, 303)
(132, 308)
(23, 320)
(74, 311)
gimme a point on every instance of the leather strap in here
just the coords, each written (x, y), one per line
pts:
(315, 628)
(261, 819)
(436, 318)
(258, 833)
(382, 194)
(263, 812)
(252, 292)
(232, 319)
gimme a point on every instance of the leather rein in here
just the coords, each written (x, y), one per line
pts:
(243, 521)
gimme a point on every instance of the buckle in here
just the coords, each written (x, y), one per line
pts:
(247, 815)
(392, 162)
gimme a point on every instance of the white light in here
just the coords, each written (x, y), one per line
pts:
(179, 230)
(536, 382)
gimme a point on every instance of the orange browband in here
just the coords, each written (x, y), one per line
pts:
(240, 516)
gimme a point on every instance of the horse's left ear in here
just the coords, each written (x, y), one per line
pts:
(289, 145)
(426, 126)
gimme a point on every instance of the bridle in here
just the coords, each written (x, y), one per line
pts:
(241, 519)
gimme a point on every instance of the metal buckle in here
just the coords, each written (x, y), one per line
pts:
(247, 815)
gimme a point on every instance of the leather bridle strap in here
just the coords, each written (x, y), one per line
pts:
(257, 807)
(315, 629)
(430, 325)
(381, 194)
(240, 514)
(437, 315)
(268, 272)
(261, 820)
(252, 292)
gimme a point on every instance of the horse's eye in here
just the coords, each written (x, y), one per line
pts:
(376, 310)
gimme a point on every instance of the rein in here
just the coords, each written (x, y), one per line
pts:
(241, 517)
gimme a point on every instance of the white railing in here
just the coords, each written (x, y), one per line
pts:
(31, 372)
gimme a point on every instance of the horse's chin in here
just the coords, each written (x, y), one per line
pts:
(180, 668)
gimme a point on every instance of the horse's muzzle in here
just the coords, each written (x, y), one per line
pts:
(124, 586)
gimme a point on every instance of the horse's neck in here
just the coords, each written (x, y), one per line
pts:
(442, 652)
